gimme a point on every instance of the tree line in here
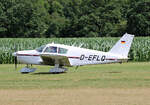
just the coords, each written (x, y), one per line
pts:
(74, 18)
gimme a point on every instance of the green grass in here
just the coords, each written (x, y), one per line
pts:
(127, 75)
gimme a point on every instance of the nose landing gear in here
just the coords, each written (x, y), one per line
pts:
(27, 69)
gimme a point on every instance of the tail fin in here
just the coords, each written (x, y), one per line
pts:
(122, 47)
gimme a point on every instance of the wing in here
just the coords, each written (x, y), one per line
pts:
(49, 59)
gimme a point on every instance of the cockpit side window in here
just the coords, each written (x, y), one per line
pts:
(40, 49)
(51, 49)
(62, 50)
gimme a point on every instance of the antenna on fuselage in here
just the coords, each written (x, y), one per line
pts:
(74, 44)
(81, 45)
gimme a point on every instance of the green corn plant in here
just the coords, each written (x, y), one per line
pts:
(140, 50)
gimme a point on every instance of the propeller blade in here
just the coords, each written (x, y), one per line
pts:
(15, 62)
(15, 59)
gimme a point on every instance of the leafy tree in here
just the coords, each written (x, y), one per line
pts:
(4, 5)
(2, 18)
(100, 18)
(138, 18)
(57, 19)
(73, 18)
(24, 18)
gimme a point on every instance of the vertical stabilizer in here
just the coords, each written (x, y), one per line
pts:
(122, 47)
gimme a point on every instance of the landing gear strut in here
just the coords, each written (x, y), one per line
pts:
(58, 69)
(27, 69)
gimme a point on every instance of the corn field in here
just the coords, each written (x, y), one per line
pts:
(140, 50)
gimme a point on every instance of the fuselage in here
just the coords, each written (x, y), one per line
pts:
(64, 55)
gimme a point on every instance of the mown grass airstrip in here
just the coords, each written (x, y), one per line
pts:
(112, 84)
(127, 75)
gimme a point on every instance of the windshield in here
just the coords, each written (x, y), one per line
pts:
(40, 49)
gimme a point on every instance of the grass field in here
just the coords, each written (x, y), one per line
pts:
(113, 84)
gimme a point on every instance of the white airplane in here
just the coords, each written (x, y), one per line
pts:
(59, 55)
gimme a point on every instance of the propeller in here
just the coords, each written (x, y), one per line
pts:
(15, 62)
(15, 57)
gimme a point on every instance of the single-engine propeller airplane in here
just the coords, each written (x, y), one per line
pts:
(59, 55)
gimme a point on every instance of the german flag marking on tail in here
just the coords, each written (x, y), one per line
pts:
(123, 42)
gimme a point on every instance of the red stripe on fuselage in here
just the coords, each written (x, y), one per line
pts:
(27, 55)
(111, 59)
(74, 57)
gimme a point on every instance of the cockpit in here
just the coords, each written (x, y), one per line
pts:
(52, 49)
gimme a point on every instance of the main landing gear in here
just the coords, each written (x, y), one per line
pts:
(27, 69)
(58, 69)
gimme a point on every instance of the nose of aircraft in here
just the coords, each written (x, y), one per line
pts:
(14, 54)
(23, 53)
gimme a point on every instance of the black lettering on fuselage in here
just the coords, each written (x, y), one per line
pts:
(93, 57)
(90, 57)
(98, 58)
(103, 58)
(82, 57)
